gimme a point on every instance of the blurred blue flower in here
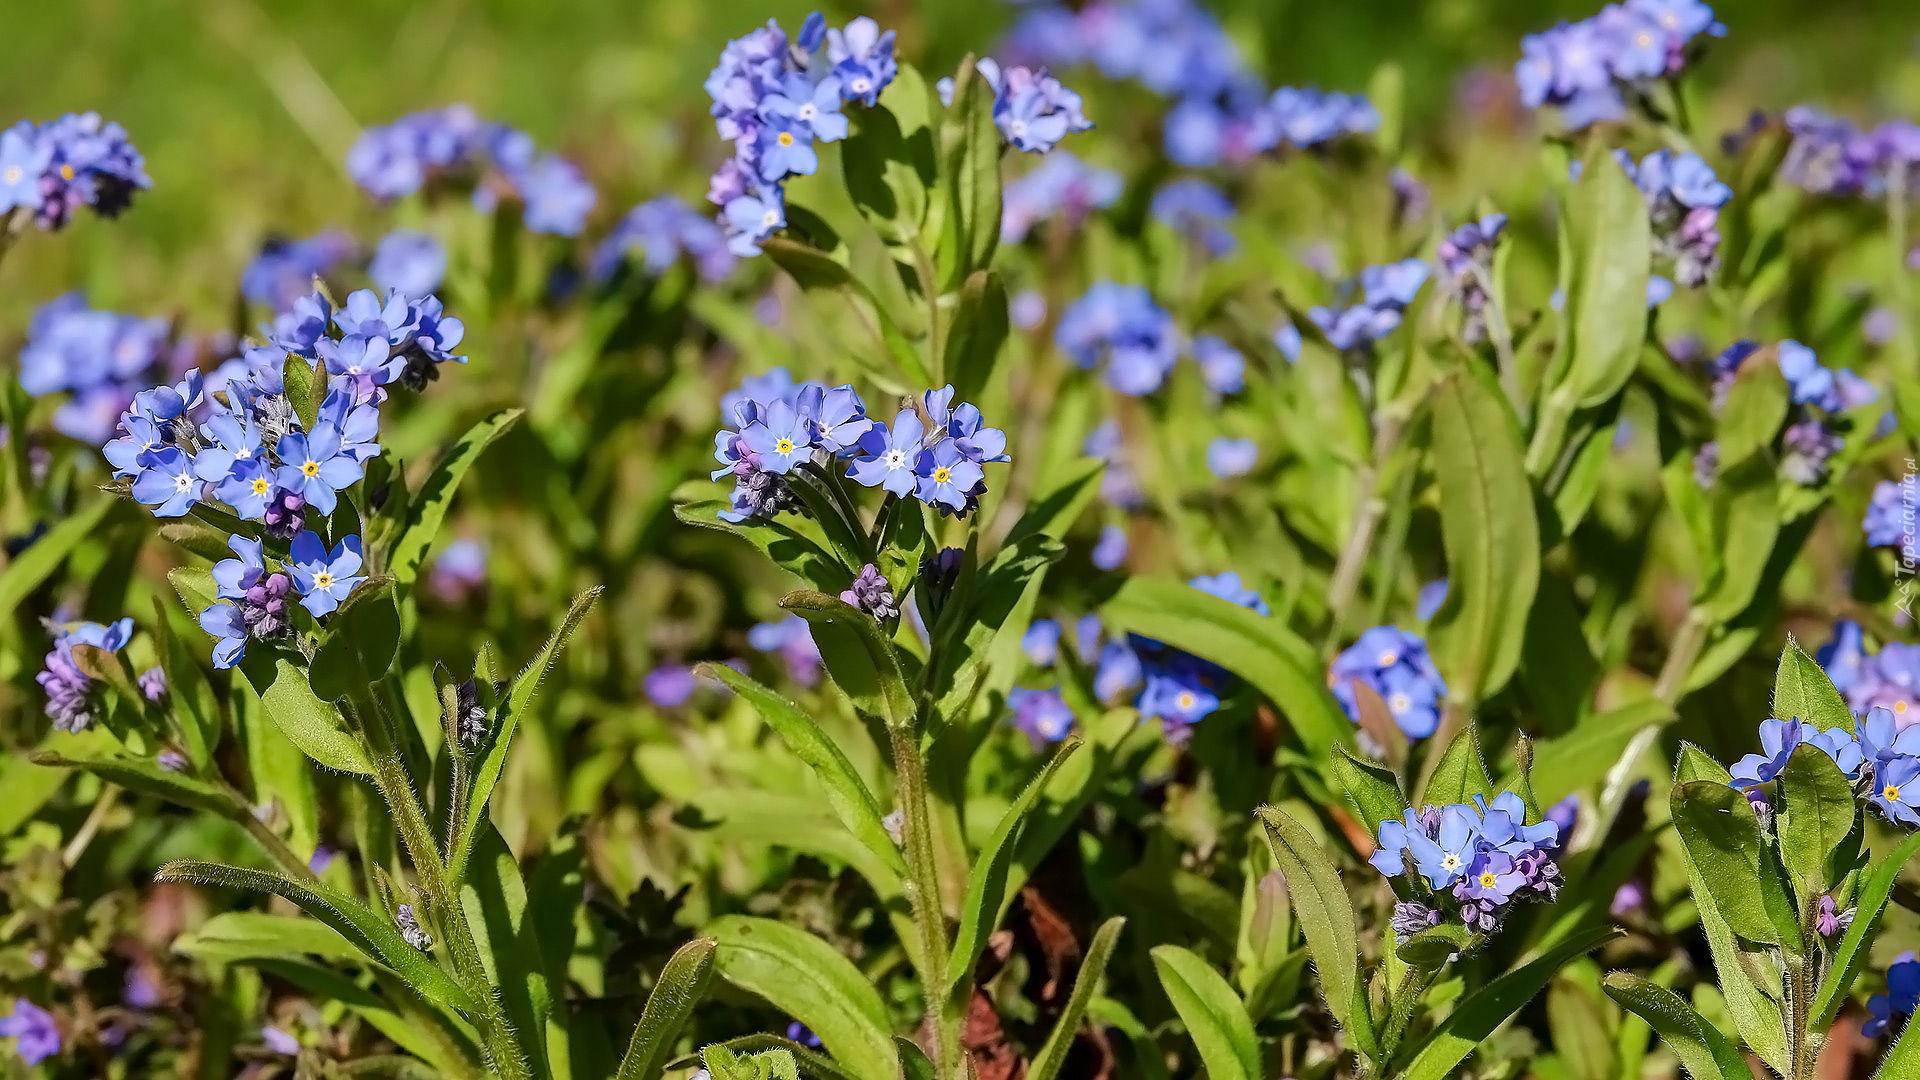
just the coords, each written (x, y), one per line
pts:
(284, 270)
(1432, 595)
(1110, 551)
(1063, 187)
(663, 230)
(1222, 367)
(409, 262)
(1395, 665)
(1042, 714)
(1041, 642)
(1121, 325)
(1229, 457)
(38, 1037)
(1197, 209)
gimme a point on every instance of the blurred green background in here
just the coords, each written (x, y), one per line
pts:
(244, 108)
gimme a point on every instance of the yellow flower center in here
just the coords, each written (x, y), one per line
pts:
(1389, 658)
(1450, 862)
(1891, 792)
(1899, 707)
(66, 172)
(786, 138)
(1185, 700)
(1643, 39)
(311, 468)
(784, 446)
(323, 579)
(259, 487)
(942, 474)
(1487, 880)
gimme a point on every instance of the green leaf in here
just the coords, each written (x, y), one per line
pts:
(883, 178)
(1701, 1048)
(1431, 948)
(1850, 955)
(1491, 536)
(794, 543)
(682, 983)
(1462, 772)
(1577, 760)
(309, 723)
(970, 175)
(978, 337)
(1696, 764)
(375, 935)
(1257, 648)
(1802, 690)
(1755, 409)
(429, 505)
(1722, 837)
(849, 796)
(306, 387)
(858, 655)
(1215, 1019)
(235, 936)
(1608, 301)
(198, 538)
(190, 700)
(42, 557)
(145, 775)
(1903, 1060)
(362, 640)
(1746, 520)
(504, 722)
(1817, 813)
(494, 898)
(1055, 512)
(1371, 787)
(1326, 918)
(817, 272)
(987, 891)
(1480, 1013)
(804, 977)
(1053, 1053)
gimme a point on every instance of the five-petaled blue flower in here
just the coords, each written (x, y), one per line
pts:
(947, 476)
(890, 456)
(782, 438)
(323, 579)
(312, 466)
(166, 481)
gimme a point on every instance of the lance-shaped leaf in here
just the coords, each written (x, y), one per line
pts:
(1053, 1053)
(682, 983)
(885, 177)
(1326, 918)
(821, 274)
(987, 891)
(970, 176)
(145, 775)
(1608, 301)
(1258, 648)
(858, 655)
(306, 388)
(1430, 949)
(979, 335)
(1371, 787)
(374, 934)
(1802, 690)
(804, 977)
(37, 560)
(1461, 773)
(1491, 536)
(1903, 1061)
(1746, 521)
(506, 720)
(1476, 1017)
(852, 802)
(494, 897)
(1817, 816)
(1756, 406)
(235, 936)
(1215, 1019)
(1701, 1048)
(308, 722)
(429, 506)
(1850, 956)
(1736, 867)
(794, 543)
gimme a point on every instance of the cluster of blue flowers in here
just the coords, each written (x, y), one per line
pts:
(253, 593)
(1123, 326)
(1830, 156)
(1394, 664)
(1177, 48)
(1062, 186)
(1901, 1000)
(662, 230)
(1888, 679)
(72, 702)
(1883, 755)
(1198, 210)
(773, 100)
(454, 147)
(1031, 109)
(1683, 198)
(1890, 518)
(49, 171)
(1466, 265)
(1820, 394)
(1476, 858)
(933, 452)
(1582, 67)
(1388, 289)
(100, 357)
(284, 270)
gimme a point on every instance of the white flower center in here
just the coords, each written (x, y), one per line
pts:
(896, 459)
(183, 482)
(859, 86)
(1388, 658)
(1399, 703)
(771, 219)
(1451, 862)
(14, 173)
(807, 111)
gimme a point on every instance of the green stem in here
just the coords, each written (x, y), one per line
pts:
(270, 841)
(1549, 433)
(1909, 357)
(396, 788)
(1366, 518)
(1681, 653)
(103, 805)
(930, 288)
(923, 892)
(1502, 336)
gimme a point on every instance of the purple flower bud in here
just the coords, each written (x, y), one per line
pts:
(1410, 917)
(870, 594)
(1631, 896)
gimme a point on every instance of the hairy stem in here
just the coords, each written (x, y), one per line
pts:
(923, 891)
